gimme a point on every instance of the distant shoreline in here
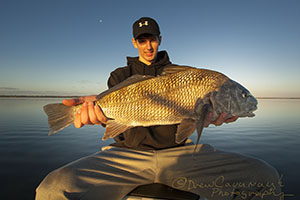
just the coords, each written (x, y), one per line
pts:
(277, 97)
(36, 96)
(71, 96)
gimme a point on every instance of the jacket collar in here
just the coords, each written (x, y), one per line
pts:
(161, 60)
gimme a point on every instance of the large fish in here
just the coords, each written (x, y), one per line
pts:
(181, 95)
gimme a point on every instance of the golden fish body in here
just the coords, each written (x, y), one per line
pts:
(161, 100)
(181, 95)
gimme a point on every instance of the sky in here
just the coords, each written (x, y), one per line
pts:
(69, 47)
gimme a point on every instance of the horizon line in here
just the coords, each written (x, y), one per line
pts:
(75, 96)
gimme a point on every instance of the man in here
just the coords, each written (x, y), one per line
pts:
(144, 155)
(150, 62)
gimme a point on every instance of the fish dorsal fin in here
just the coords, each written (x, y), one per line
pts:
(175, 69)
(129, 81)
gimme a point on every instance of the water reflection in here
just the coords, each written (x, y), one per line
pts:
(28, 153)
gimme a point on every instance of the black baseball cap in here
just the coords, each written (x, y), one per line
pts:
(145, 25)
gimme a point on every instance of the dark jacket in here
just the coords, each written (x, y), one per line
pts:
(144, 138)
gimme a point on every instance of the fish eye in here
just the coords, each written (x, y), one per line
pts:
(245, 94)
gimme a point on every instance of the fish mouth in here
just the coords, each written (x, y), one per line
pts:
(248, 114)
(251, 114)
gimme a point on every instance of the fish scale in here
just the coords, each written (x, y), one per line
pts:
(180, 95)
(154, 97)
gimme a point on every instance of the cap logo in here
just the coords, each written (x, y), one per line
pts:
(143, 24)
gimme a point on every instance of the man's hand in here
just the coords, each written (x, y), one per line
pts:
(221, 119)
(89, 113)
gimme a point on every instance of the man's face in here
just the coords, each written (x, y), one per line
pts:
(147, 47)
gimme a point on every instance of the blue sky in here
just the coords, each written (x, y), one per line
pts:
(69, 47)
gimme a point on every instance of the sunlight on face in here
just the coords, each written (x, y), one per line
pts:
(147, 47)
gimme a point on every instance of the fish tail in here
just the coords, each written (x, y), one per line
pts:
(59, 116)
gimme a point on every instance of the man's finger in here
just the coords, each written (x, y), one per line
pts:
(100, 115)
(92, 115)
(77, 120)
(69, 102)
(84, 114)
(72, 102)
(90, 98)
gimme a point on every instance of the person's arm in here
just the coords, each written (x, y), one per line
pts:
(89, 113)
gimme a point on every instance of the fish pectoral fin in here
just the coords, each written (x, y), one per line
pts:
(114, 128)
(200, 122)
(185, 129)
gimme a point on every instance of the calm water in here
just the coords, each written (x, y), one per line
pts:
(27, 152)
